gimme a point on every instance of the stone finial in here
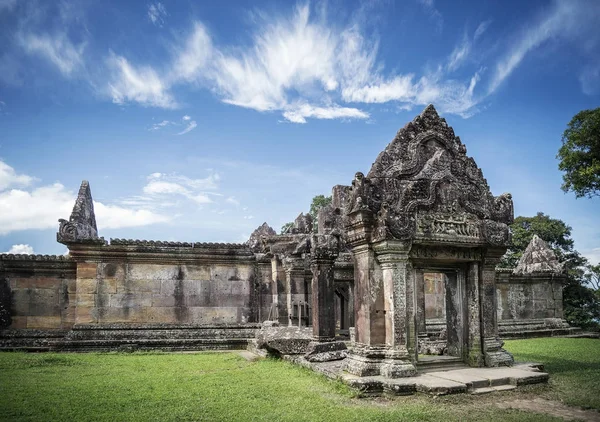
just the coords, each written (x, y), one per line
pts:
(255, 243)
(81, 226)
(538, 258)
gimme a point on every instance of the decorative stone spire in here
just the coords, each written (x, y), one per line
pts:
(538, 258)
(81, 226)
(255, 243)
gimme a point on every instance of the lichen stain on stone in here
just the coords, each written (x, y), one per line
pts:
(179, 295)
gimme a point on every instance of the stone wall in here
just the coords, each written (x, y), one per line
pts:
(528, 296)
(37, 292)
(137, 282)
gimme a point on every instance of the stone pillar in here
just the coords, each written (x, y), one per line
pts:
(295, 288)
(474, 348)
(279, 306)
(399, 308)
(379, 303)
(264, 287)
(420, 305)
(494, 354)
(324, 250)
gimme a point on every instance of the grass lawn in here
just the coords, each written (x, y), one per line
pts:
(225, 387)
(573, 364)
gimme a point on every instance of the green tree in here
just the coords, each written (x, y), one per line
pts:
(286, 227)
(581, 303)
(580, 154)
(318, 202)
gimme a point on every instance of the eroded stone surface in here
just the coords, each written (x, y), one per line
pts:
(538, 258)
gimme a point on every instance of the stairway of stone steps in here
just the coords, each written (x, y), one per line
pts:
(427, 364)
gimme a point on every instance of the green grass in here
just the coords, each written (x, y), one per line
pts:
(573, 364)
(225, 387)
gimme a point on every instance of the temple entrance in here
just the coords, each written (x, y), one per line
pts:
(440, 315)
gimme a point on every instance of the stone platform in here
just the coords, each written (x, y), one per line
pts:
(454, 381)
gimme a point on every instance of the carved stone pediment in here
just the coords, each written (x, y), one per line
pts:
(424, 185)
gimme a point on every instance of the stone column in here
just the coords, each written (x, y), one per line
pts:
(399, 308)
(264, 287)
(324, 250)
(494, 354)
(420, 305)
(295, 287)
(474, 348)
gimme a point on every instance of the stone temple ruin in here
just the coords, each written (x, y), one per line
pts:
(398, 275)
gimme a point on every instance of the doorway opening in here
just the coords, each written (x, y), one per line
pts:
(440, 319)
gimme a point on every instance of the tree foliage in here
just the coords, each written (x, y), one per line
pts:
(581, 303)
(580, 154)
(318, 202)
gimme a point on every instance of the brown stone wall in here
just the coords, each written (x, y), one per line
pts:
(528, 297)
(141, 292)
(38, 292)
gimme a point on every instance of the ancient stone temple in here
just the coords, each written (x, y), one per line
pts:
(400, 268)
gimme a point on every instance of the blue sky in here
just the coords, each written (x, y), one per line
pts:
(197, 121)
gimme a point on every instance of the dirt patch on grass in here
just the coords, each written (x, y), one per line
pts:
(552, 408)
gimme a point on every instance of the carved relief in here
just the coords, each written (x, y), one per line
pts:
(424, 184)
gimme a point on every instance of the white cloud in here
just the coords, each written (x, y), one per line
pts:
(186, 118)
(233, 201)
(248, 217)
(593, 255)
(162, 185)
(9, 177)
(41, 207)
(298, 113)
(157, 126)
(115, 217)
(21, 249)
(157, 13)
(142, 84)
(191, 126)
(575, 20)
(56, 48)
(483, 26)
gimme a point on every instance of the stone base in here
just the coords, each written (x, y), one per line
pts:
(495, 355)
(393, 368)
(326, 351)
(364, 361)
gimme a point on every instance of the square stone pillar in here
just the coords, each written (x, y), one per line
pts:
(324, 251)
(494, 354)
(379, 304)
(398, 287)
(474, 347)
(296, 290)
(323, 310)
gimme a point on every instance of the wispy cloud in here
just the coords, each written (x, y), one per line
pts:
(158, 126)
(575, 20)
(162, 186)
(157, 13)
(191, 125)
(142, 84)
(434, 14)
(57, 48)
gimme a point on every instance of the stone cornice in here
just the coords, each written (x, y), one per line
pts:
(37, 264)
(141, 251)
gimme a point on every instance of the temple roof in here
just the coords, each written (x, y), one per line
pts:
(538, 258)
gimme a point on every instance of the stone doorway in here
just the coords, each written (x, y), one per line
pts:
(440, 316)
